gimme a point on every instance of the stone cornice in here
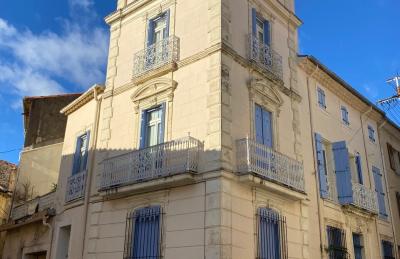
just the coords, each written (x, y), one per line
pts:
(83, 99)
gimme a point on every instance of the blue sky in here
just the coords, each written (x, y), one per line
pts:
(49, 47)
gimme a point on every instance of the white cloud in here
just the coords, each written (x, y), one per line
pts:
(36, 62)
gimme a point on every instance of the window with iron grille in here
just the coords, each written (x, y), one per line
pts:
(272, 242)
(358, 246)
(387, 250)
(336, 243)
(143, 233)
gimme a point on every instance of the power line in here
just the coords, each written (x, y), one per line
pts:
(9, 151)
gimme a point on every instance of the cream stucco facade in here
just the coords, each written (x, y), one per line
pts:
(209, 174)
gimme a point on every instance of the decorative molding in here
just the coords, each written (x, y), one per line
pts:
(153, 91)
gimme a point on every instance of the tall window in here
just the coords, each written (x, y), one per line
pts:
(152, 128)
(336, 243)
(398, 202)
(358, 247)
(261, 29)
(359, 174)
(321, 98)
(81, 154)
(263, 125)
(394, 158)
(379, 192)
(387, 250)
(158, 29)
(271, 235)
(345, 115)
(371, 133)
(143, 234)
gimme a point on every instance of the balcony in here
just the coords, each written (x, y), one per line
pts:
(262, 161)
(76, 187)
(364, 198)
(29, 208)
(168, 159)
(273, 166)
(265, 57)
(156, 56)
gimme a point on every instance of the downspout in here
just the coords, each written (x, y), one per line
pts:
(90, 171)
(45, 223)
(387, 185)
(315, 162)
(368, 168)
(364, 141)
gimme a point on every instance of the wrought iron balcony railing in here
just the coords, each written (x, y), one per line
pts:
(33, 206)
(159, 54)
(76, 187)
(265, 57)
(170, 158)
(259, 159)
(365, 198)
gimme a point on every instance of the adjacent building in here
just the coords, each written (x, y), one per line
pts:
(212, 138)
(27, 230)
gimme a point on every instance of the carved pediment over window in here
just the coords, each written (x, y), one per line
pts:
(263, 91)
(154, 92)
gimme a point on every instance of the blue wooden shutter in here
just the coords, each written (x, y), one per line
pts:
(146, 234)
(269, 236)
(162, 127)
(258, 124)
(150, 33)
(254, 21)
(77, 156)
(167, 21)
(359, 169)
(379, 191)
(267, 33)
(343, 174)
(267, 128)
(321, 167)
(85, 158)
(143, 129)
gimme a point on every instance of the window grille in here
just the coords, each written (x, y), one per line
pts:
(272, 241)
(337, 243)
(143, 234)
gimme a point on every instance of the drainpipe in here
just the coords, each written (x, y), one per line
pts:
(91, 167)
(387, 186)
(45, 223)
(364, 141)
(320, 219)
(368, 168)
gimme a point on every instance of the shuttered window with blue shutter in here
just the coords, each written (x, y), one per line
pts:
(379, 191)
(321, 98)
(321, 166)
(271, 235)
(343, 173)
(263, 125)
(143, 235)
(81, 154)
